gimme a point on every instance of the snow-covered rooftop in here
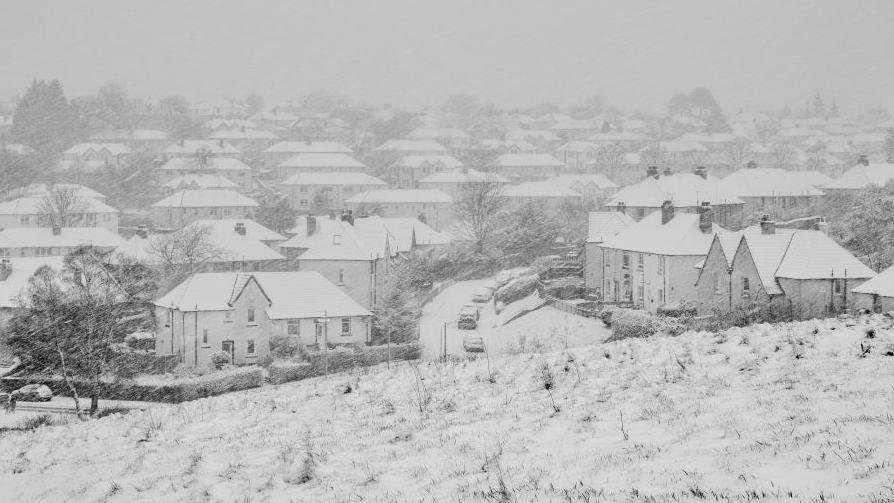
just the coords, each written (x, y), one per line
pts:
(204, 199)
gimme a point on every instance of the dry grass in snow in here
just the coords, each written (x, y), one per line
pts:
(792, 412)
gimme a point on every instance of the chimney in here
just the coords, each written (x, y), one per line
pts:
(822, 225)
(240, 228)
(311, 225)
(702, 172)
(863, 159)
(668, 172)
(57, 229)
(667, 212)
(5, 269)
(142, 232)
(622, 207)
(347, 216)
(767, 226)
(652, 171)
(751, 164)
(180, 143)
(243, 129)
(705, 218)
(220, 142)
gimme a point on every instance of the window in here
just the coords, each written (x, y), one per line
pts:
(304, 203)
(228, 316)
(640, 292)
(626, 261)
(836, 286)
(205, 336)
(251, 347)
(639, 261)
(227, 212)
(341, 276)
(346, 326)
(640, 213)
(302, 188)
(214, 211)
(746, 287)
(292, 327)
(336, 239)
(319, 330)
(26, 219)
(251, 314)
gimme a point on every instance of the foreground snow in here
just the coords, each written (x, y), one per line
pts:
(767, 412)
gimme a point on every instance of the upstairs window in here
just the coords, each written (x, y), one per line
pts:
(250, 347)
(626, 261)
(205, 336)
(639, 261)
(346, 326)
(746, 287)
(293, 327)
(251, 315)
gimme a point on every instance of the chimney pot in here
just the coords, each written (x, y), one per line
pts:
(652, 171)
(751, 164)
(240, 228)
(667, 212)
(863, 159)
(57, 230)
(705, 218)
(767, 226)
(311, 225)
(702, 172)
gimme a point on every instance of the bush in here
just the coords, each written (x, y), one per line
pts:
(219, 359)
(282, 372)
(340, 359)
(678, 310)
(517, 289)
(127, 364)
(285, 347)
(630, 323)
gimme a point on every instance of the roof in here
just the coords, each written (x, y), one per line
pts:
(253, 230)
(201, 181)
(708, 137)
(883, 284)
(112, 148)
(618, 137)
(377, 196)
(576, 181)
(308, 147)
(205, 198)
(22, 268)
(539, 189)
(684, 189)
(680, 236)
(33, 205)
(332, 179)
(305, 294)
(814, 178)
(211, 163)
(194, 146)
(334, 239)
(41, 189)
(531, 134)
(419, 161)
(436, 133)
(243, 134)
(862, 177)
(578, 146)
(463, 176)
(326, 160)
(607, 224)
(814, 255)
(410, 145)
(402, 233)
(767, 182)
(520, 145)
(69, 237)
(538, 160)
(129, 134)
(680, 146)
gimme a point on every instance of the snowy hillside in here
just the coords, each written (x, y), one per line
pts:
(772, 413)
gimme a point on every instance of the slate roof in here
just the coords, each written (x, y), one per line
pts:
(335, 240)
(604, 225)
(862, 177)
(322, 160)
(22, 268)
(684, 189)
(883, 284)
(308, 147)
(680, 236)
(204, 199)
(767, 182)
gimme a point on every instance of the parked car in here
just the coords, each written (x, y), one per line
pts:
(473, 343)
(468, 317)
(483, 294)
(34, 393)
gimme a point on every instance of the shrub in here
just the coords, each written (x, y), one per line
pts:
(127, 364)
(282, 372)
(678, 310)
(219, 359)
(630, 323)
(285, 347)
(338, 360)
(517, 289)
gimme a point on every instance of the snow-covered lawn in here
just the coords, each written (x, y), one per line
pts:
(772, 413)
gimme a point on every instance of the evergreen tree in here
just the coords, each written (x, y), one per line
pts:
(833, 112)
(889, 146)
(819, 106)
(44, 119)
(276, 214)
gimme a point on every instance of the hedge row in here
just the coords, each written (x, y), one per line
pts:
(174, 391)
(631, 323)
(339, 360)
(129, 363)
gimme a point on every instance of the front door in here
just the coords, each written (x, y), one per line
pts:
(229, 348)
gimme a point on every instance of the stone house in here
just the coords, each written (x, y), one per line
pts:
(318, 163)
(407, 172)
(603, 225)
(91, 157)
(432, 207)
(185, 206)
(55, 241)
(778, 192)
(30, 212)
(876, 294)
(282, 151)
(326, 191)
(454, 182)
(232, 169)
(527, 167)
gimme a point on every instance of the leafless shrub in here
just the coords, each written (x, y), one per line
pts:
(421, 393)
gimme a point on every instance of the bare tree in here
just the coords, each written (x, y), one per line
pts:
(610, 158)
(61, 207)
(478, 207)
(737, 152)
(184, 251)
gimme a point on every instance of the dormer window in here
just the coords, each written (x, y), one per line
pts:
(336, 239)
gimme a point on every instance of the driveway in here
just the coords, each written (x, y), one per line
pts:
(443, 309)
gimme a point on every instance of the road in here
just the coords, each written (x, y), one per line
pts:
(444, 309)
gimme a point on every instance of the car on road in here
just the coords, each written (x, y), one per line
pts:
(473, 343)
(34, 393)
(468, 317)
(483, 294)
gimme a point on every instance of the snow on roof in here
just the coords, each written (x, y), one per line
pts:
(436, 133)
(332, 179)
(463, 176)
(378, 196)
(680, 146)
(814, 178)
(544, 189)
(253, 230)
(531, 134)
(215, 124)
(33, 206)
(324, 160)
(194, 146)
(767, 182)
(243, 134)
(767, 251)
(708, 137)
(308, 147)
(680, 236)
(409, 145)
(577, 146)
(273, 115)
(520, 145)
(129, 134)
(683, 189)
(22, 268)
(305, 294)
(618, 137)
(883, 284)
(112, 148)
(333, 239)
(576, 181)
(419, 161)
(205, 198)
(230, 246)
(69, 237)
(862, 177)
(604, 225)
(537, 160)
(81, 191)
(401, 233)
(814, 255)
(200, 181)
(210, 163)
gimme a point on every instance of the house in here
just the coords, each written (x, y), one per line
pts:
(577, 155)
(507, 146)
(14, 276)
(227, 167)
(432, 207)
(273, 119)
(625, 141)
(282, 151)
(861, 177)
(804, 273)
(456, 140)
(603, 225)
(357, 262)
(550, 195)
(395, 149)
(527, 167)
(778, 192)
(408, 170)
(200, 181)
(319, 163)
(82, 212)
(576, 129)
(221, 124)
(595, 188)
(185, 206)
(876, 294)
(239, 314)
(226, 246)
(403, 234)
(55, 241)
(247, 140)
(200, 148)
(326, 191)
(676, 154)
(653, 262)
(454, 182)
(42, 190)
(687, 191)
(90, 157)
(147, 141)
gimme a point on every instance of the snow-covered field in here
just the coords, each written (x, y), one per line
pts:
(772, 413)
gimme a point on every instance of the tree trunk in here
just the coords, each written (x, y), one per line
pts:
(74, 391)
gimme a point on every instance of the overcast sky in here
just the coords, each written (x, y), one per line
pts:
(751, 54)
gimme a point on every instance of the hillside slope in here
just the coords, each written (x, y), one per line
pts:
(776, 413)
